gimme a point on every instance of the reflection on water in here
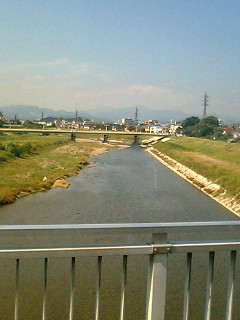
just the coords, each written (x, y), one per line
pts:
(121, 186)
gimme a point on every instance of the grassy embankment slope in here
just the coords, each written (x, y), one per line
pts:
(26, 159)
(216, 160)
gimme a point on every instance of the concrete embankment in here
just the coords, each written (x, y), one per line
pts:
(210, 188)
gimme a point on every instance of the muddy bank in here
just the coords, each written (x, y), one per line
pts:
(207, 186)
(46, 180)
(60, 182)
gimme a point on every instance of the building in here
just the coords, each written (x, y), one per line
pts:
(233, 132)
(89, 124)
(173, 128)
(2, 117)
(152, 122)
(128, 122)
(155, 129)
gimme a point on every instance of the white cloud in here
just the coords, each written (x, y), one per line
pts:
(86, 86)
(38, 90)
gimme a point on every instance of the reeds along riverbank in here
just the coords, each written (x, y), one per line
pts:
(211, 166)
(51, 158)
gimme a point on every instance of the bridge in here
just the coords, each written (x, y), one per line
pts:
(158, 250)
(73, 133)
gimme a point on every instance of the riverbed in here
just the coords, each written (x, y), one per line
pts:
(119, 186)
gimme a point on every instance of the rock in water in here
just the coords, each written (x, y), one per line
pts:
(61, 183)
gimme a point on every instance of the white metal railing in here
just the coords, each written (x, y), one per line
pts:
(158, 251)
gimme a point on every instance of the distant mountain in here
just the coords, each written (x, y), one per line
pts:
(32, 112)
(100, 114)
(35, 113)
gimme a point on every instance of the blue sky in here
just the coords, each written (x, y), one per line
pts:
(162, 54)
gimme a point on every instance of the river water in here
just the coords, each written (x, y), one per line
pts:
(120, 186)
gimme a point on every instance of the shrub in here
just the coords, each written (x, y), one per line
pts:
(19, 150)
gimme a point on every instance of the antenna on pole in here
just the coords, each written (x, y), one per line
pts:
(205, 105)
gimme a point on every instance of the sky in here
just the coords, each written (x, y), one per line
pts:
(88, 54)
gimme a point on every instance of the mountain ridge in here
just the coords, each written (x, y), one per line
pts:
(103, 114)
(106, 114)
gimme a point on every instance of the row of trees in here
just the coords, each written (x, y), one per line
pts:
(205, 128)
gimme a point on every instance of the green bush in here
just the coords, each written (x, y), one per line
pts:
(15, 150)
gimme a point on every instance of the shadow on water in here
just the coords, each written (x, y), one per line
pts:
(120, 186)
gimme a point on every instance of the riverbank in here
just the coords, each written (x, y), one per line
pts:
(51, 161)
(192, 161)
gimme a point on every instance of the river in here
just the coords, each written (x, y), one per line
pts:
(120, 186)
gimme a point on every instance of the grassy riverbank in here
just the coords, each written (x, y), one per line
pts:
(216, 160)
(25, 161)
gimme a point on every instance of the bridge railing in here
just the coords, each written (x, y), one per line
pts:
(158, 251)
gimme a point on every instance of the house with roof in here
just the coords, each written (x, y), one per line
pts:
(233, 132)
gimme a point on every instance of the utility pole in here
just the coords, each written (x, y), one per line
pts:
(76, 116)
(136, 117)
(205, 105)
(42, 114)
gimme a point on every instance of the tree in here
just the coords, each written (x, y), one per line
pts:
(210, 121)
(188, 126)
(131, 128)
(190, 122)
(205, 130)
(32, 125)
(218, 134)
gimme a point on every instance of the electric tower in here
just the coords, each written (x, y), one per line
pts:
(136, 117)
(205, 105)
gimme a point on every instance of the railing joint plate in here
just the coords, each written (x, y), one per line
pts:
(162, 249)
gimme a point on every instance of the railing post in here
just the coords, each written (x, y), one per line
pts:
(157, 278)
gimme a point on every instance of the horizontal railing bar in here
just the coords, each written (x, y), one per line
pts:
(137, 249)
(132, 227)
(120, 250)
(183, 247)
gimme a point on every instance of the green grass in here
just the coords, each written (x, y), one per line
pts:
(216, 160)
(54, 157)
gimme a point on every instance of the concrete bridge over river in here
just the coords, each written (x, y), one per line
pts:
(74, 133)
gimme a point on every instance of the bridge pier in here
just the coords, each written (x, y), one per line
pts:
(136, 140)
(105, 138)
(73, 136)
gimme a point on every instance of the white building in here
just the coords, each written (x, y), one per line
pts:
(156, 129)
